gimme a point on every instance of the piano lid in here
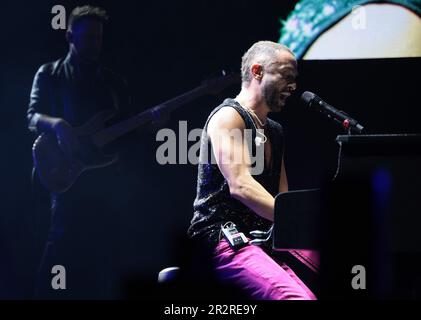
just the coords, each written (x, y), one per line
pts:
(380, 144)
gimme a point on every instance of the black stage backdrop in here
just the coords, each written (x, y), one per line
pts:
(164, 48)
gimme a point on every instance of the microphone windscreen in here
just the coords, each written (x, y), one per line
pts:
(307, 97)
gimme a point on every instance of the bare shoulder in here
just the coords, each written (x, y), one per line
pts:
(225, 118)
(371, 31)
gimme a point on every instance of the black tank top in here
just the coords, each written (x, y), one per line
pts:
(214, 205)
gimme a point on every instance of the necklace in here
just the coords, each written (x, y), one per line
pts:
(255, 115)
(262, 138)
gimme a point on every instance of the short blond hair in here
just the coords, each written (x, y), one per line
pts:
(262, 52)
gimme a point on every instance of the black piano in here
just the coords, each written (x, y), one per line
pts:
(369, 216)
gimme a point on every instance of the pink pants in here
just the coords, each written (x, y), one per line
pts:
(257, 274)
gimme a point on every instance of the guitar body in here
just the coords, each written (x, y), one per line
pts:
(55, 170)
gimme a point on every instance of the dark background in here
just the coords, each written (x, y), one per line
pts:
(164, 48)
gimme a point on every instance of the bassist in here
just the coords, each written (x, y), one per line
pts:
(65, 94)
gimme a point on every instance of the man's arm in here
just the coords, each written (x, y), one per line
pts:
(38, 119)
(39, 103)
(228, 151)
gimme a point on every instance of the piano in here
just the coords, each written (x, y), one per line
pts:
(369, 216)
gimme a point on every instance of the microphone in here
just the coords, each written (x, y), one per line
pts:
(313, 101)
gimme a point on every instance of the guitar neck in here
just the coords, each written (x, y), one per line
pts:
(110, 134)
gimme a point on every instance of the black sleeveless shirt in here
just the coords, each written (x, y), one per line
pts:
(214, 205)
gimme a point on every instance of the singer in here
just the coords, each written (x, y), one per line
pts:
(228, 192)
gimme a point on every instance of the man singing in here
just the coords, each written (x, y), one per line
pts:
(231, 192)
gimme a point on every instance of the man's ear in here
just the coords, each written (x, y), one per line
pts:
(257, 71)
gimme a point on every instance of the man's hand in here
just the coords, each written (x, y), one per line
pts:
(66, 137)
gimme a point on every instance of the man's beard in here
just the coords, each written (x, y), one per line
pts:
(272, 98)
